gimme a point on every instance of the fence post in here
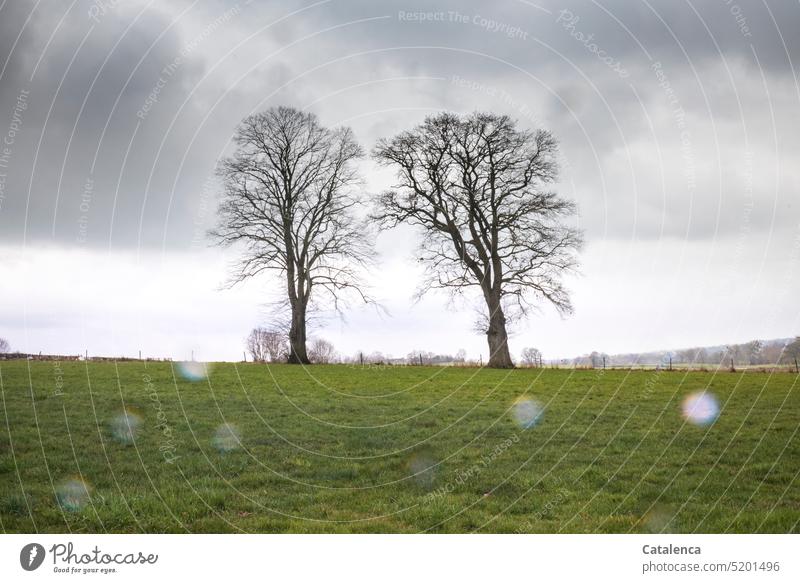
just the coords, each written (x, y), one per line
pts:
(670, 362)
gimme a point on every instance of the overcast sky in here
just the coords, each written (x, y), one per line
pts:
(678, 123)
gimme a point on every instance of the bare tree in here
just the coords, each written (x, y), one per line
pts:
(733, 353)
(267, 345)
(477, 186)
(4, 345)
(289, 201)
(791, 354)
(532, 357)
(753, 351)
(321, 351)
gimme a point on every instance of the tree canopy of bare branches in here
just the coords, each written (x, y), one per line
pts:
(321, 351)
(289, 196)
(792, 351)
(531, 356)
(478, 187)
(4, 345)
(267, 345)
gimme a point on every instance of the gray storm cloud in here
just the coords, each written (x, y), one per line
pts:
(129, 106)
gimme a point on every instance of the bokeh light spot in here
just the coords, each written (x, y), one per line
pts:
(194, 371)
(700, 408)
(125, 426)
(73, 494)
(422, 468)
(527, 412)
(227, 438)
(659, 519)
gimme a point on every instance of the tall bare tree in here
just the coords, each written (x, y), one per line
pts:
(289, 199)
(4, 345)
(478, 188)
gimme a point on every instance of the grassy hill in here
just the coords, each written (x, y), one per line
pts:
(136, 446)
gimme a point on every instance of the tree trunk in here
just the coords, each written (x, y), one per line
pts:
(297, 335)
(499, 356)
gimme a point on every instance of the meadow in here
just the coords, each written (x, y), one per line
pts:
(156, 447)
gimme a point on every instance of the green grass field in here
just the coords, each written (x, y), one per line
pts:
(259, 448)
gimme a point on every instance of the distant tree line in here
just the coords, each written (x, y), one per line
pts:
(265, 345)
(753, 353)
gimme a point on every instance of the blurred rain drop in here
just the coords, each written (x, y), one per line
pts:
(659, 520)
(227, 438)
(527, 413)
(72, 495)
(125, 426)
(700, 408)
(422, 467)
(194, 371)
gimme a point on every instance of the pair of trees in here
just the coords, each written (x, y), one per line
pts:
(477, 187)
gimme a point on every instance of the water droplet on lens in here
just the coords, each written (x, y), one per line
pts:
(125, 426)
(527, 413)
(422, 467)
(700, 408)
(194, 371)
(73, 494)
(659, 520)
(227, 438)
